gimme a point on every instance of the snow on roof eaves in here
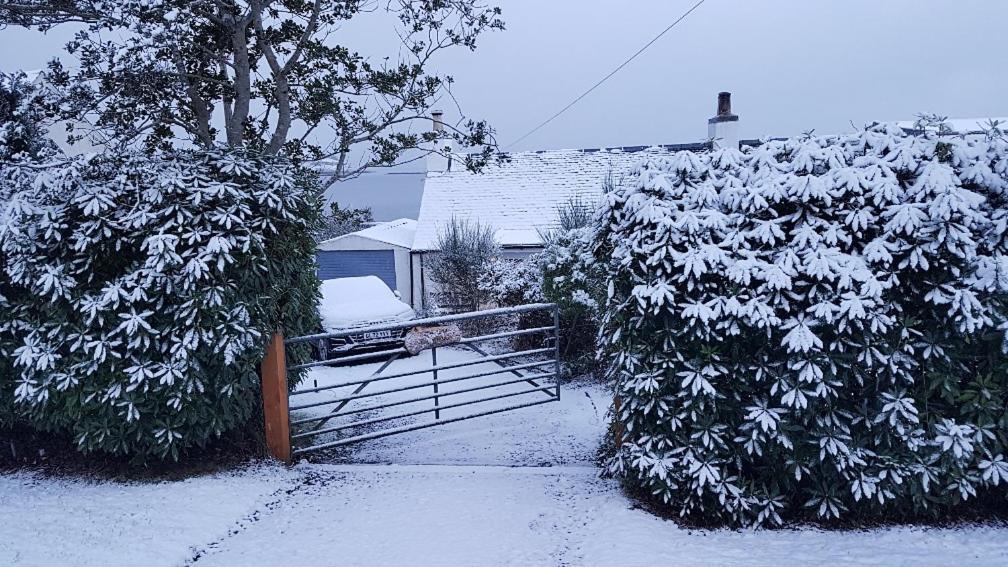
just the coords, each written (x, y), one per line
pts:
(399, 232)
(519, 195)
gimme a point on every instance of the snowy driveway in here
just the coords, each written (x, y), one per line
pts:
(470, 493)
(377, 515)
(557, 433)
(444, 515)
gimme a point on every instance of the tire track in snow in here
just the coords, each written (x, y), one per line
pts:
(307, 478)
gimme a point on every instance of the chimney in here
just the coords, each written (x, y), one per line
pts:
(439, 160)
(723, 128)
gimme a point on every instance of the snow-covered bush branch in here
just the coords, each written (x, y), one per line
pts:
(466, 250)
(573, 279)
(564, 272)
(139, 292)
(812, 327)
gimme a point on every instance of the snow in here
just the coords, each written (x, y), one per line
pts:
(75, 521)
(518, 237)
(399, 232)
(469, 493)
(557, 433)
(519, 195)
(351, 302)
(378, 515)
(961, 125)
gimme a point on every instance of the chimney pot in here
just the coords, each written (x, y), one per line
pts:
(439, 159)
(723, 127)
(724, 104)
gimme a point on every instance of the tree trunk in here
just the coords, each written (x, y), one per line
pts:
(242, 84)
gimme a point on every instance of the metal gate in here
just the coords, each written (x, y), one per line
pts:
(493, 377)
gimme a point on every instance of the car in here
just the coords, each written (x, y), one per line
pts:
(365, 301)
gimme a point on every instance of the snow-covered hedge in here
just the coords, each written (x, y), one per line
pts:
(138, 292)
(564, 272)
(573, 280)
(812, 328)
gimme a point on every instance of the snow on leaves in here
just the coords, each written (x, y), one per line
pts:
(132, 281)
(782, 321)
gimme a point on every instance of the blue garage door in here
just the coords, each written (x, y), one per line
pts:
(334, 264)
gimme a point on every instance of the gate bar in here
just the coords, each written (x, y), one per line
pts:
(423, 370)
(412, 400)
(478, 350)
(429, 321)
(556, 347)
(351, 358)
(414, 427)
(358, 389)
(415, 386)
(548, 389)
(504, 335)
(404, 388)
(401, 351)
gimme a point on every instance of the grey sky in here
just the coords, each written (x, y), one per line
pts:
(792, 65)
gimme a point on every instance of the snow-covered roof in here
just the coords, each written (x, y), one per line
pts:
(398, 233)
(962, 125)
(519, 195)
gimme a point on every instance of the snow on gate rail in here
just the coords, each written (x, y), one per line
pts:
(349, 407)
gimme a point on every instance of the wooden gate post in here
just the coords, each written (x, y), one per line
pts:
(274, 394)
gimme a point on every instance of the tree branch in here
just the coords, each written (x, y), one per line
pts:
(281, 90)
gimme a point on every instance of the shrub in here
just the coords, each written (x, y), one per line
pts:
(573, 279)
(811, 328)
(564, 272)
(466, 250)
(511, 281)
(140, 291)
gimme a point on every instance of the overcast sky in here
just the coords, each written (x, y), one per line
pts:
(791, 65)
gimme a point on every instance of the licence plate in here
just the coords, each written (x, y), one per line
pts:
(373, 335)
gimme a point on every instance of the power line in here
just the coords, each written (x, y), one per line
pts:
(604, 79)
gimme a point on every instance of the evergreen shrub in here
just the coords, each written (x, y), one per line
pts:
(139, 292)
(811, 328)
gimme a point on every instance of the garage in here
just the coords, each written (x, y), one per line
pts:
(381, 250)
(334, 264)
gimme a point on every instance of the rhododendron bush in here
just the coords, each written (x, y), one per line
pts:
(811, 328)
(139, 291)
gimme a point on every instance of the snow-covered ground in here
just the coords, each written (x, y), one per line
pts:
(468, 493)
(564, 432)
(49, 521)
(374, 515)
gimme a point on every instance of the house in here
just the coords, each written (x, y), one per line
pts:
(381, 250)
(519, 195)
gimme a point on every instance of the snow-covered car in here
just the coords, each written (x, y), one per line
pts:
(365, 301)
